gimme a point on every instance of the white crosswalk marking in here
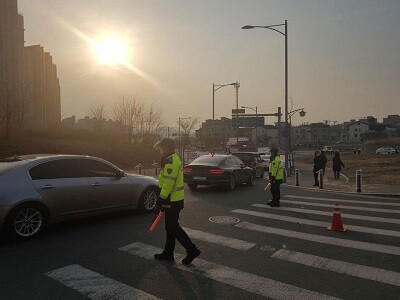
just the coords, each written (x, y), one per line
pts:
(325, 213)
(334, 200)
(322, 239)
(337, 266)
(382, 210)
(96, 286)
(219, 239)
(315, 223)
(248, 282)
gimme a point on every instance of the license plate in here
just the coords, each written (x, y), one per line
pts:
(199, 178)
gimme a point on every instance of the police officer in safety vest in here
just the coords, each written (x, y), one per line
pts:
(170, 200)
(275, 177)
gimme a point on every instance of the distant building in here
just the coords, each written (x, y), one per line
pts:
(312, 135)
(391, 120)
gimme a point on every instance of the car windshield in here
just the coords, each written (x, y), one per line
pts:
(209, 159)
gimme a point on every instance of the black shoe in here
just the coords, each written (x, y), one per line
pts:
(275, 204)
(164, 256)
(191, 256)
(316, 185)
(269, 202)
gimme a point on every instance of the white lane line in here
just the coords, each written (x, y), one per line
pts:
(343, 200)
(326, 213)
(380, 210)
(219, 239)
(315, 223)
(245, 281)
(322, 239)
(96, 286)
(371, 273)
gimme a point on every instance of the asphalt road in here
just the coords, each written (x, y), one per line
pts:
(276, 253)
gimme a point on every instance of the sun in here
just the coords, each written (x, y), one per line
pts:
(111, 51)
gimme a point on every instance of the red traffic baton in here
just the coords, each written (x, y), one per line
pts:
(267, 187)
(156, 221)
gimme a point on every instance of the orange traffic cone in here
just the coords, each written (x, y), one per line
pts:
(337, 220)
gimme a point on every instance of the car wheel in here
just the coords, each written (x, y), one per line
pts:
(148, 199)
(251, 179)
(192, 186)
(231, 183)
(25, 222)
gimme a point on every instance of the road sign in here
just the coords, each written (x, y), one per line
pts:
(238, 111)
(248, 122)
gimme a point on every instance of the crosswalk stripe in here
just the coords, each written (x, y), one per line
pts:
(219, 239)
(322, 239)
(325, 213)
(315, 223)
(343, 200)
(245, 281)
(96, 286)
(379, 210)
(380, 275)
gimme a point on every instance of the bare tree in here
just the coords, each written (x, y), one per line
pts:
(128, 112)
(98, 114)
(152, 123)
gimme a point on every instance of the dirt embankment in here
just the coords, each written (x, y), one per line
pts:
(376, 168)
(124, 155)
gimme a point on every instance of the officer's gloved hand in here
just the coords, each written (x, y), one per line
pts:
(272, 179)
(161, 203)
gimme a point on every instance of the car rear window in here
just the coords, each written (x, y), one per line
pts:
(246, 157)
(209, 159)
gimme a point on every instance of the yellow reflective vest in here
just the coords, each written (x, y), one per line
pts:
(276, 168)
(170, 179)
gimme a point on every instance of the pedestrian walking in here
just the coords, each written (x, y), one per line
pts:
(275, 177)
(170, 200)
(317, 167)
(323, 161)
(337, 165)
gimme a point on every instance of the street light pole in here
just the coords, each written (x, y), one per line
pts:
(285, 34)
(215, 88)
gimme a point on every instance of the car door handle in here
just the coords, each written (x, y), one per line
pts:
(96, 184)
(47, 187)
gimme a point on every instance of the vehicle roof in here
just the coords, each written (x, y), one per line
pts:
(248, 152)
(31, 157)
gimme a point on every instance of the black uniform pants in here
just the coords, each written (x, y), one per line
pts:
(276, 191)
(175, 231)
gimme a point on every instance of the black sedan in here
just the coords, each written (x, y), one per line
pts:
(213, 169)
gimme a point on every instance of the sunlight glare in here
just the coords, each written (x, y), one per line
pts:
(111, 51)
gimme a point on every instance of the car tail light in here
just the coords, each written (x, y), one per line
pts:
(216, 171)
(187, 170)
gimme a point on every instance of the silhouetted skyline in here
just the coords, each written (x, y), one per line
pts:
(343, 55)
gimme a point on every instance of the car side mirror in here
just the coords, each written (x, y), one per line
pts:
(120, 173)
(242, 166)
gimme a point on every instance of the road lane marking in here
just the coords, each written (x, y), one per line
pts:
(245, 281)
(322, 239)
(343, 201)
(326, 213)
(96, 286)
(379, 210)
(371, 273)
(219, 239)
(315, 223)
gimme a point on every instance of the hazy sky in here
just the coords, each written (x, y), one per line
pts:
(344, 55)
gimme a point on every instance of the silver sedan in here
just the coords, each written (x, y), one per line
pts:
(36, 190)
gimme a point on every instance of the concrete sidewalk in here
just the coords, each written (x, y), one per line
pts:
(307, 181)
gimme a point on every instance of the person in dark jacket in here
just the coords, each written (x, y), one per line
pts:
(323, 161)
(317, 167)
(337, 165)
